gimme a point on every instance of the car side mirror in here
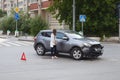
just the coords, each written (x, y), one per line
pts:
(65, 38)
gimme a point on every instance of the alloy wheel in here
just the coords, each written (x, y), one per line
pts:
(40, 50)
(77, 54)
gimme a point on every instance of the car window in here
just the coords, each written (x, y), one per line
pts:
(46, 34)
(42, 33)
(39, 34)
(60, 35)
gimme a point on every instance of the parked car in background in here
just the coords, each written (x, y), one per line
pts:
(70, 42)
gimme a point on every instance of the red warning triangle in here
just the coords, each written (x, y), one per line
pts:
(23, 56)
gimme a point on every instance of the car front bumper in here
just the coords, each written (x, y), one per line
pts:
(93, 51)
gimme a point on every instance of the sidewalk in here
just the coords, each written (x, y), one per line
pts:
(21, 38)
(107, 40)
(3, 36)
(26, 38)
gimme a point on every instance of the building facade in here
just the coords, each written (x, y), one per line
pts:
(32, 7)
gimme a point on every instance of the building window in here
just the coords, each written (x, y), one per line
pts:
(34, 1)
(28, 1)
(5, 5)
(20, 3)
(15, 4)
(21, 9)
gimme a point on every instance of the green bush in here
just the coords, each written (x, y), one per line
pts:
(37, 24)
(7, 23)
(25, 24)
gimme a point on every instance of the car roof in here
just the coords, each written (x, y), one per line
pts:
(65, 31)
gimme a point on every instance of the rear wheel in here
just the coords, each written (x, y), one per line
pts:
(40, 49)
(76, 53)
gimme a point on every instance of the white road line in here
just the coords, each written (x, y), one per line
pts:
(13, 43)
(21, 43)
(2, 40)
(25, 42)
(0, 45)
(5, 44)
(16, 43)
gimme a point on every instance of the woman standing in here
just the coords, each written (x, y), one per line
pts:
(53, 44)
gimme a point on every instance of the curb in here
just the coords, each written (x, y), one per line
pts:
(30, 40)
(3, 37)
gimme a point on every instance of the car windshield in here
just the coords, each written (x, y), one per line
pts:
(74, 35)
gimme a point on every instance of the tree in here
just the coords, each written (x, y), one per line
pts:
(7, 23)
(37, 24)
(100, 15)
(2, 13)
(24, 23)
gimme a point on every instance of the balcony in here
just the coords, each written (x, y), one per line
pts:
(44, 5)
(33, 7)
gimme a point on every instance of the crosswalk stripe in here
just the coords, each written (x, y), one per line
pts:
(0, 45)
(16, 43)
(13, 43)
(30, 43)
(21, 43)
(4, 44)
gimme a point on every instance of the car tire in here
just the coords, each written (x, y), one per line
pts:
(40, 49)
(76, 53)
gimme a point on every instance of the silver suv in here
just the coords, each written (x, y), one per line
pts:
(68, 42)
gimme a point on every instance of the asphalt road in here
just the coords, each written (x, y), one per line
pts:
(107, 67)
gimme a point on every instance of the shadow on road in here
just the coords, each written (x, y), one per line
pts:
(67, 56)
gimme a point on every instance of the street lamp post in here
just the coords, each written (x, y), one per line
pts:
(16, 10)
(73, 15)
(118, 7)
(119, 23)
(39, 7)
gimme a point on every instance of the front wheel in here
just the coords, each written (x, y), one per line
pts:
(40, 49)
(76, 53)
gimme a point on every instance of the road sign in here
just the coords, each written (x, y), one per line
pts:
(82, 18)
(16, 9)
(16, 16)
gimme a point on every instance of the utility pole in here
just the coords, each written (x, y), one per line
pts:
(16, 20)
(119, 22)
(16, 31)
(39, 7)
(1, 3)
(118, 7)
(73, 15)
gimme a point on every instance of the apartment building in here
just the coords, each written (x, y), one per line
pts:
(33, 7)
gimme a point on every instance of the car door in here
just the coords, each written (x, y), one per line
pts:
(46, 40)
(61, 44)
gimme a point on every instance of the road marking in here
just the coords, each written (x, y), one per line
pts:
(13, 43)
(17, 42)
(0, 45)
(30, 43)
(4, 44)
(2, 40)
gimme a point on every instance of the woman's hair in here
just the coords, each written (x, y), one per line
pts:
(54, 31)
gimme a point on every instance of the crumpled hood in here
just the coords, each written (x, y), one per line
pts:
(89, 41)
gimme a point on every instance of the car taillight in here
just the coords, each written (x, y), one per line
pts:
(34, 39)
